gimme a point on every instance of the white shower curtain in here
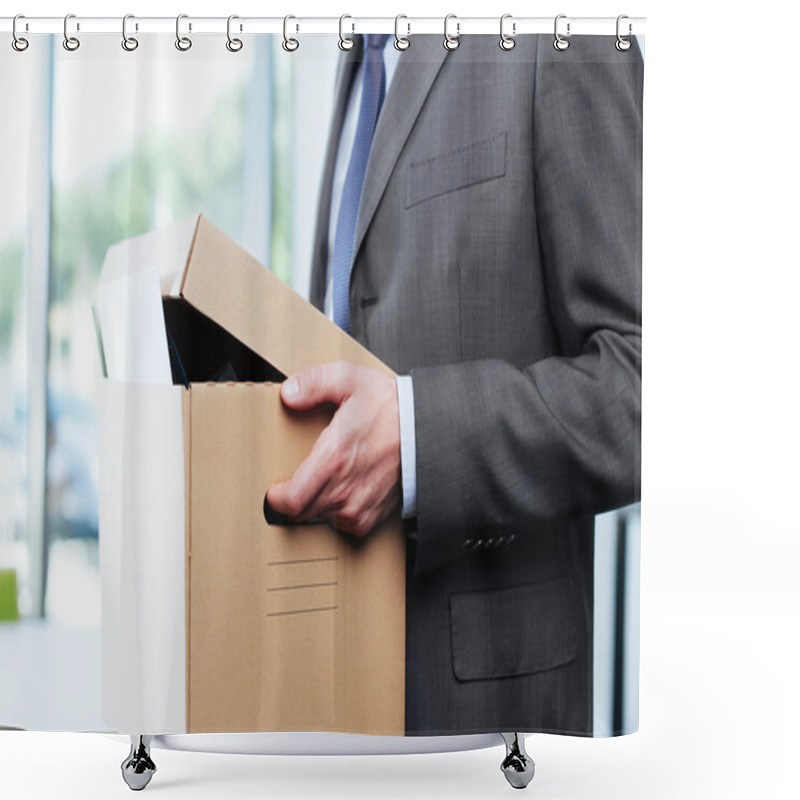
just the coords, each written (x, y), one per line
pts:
(521, 616)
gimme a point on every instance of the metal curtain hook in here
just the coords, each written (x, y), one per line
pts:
(19, 43)
(70, 42)
(507, 42)
(129, 43)
(451, 42)
(401, 42)
(345, 42)
(234, 45)
(623, 44)
(560, 42)
(182, 42)
(289, 45)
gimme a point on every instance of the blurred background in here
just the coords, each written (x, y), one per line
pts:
(103, 145)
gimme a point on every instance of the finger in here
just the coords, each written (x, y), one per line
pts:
(352, 521)
(322, 383)
(295, 496)
(361, 513)
(358, 513)
(293, 500)
(324, 505)
(277, 499)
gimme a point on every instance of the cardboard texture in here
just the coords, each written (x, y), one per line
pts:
(287, 628)
(303, 617)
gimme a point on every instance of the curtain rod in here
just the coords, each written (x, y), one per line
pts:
(512, 26)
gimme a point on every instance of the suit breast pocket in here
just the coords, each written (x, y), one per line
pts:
(509, 632)
(479, 162)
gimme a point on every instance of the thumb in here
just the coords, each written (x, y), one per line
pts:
(325, 383)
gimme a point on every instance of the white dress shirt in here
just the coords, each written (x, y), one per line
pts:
(405, 391)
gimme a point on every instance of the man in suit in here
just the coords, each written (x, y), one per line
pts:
(495, 258)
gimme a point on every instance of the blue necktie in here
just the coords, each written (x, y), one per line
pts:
(373, 90)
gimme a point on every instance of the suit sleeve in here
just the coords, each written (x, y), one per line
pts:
(502, 449)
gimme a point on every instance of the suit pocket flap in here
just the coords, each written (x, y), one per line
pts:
(516, 631)
(475, 163)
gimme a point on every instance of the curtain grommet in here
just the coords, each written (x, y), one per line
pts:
(451, 42)
(345, 42)
(19, 43)
(401, 43)
(233, 44)
(70, 43)
(622, 44)
(289, 44)
(182, 43)
(560, 43)
(129, 43)
(507, 42)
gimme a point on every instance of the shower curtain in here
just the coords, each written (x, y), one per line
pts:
(321, 384)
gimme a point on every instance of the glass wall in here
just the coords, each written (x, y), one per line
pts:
(101, 147)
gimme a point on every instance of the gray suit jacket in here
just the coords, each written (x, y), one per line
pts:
(498, 260)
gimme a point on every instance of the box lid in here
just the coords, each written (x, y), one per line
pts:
(228, 285)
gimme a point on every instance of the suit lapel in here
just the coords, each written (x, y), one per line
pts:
(344, 79)
(415, 74)
(416, 71)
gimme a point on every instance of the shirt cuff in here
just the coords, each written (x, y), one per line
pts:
(408, 445)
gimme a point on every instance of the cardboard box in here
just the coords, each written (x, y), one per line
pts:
(261, 627)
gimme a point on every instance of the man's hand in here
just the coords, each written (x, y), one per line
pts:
(352, 475)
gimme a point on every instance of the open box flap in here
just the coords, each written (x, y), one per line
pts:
(228, 285)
